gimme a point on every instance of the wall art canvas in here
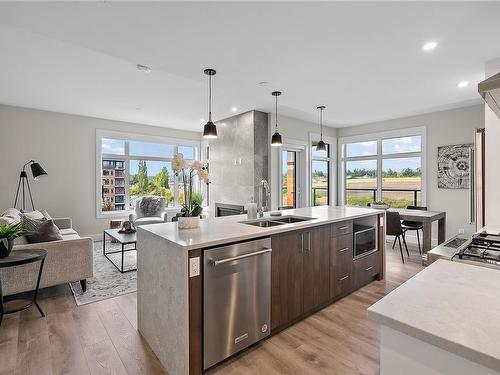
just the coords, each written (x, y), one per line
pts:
(454, 166)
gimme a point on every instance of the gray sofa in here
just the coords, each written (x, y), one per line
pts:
(68, 260)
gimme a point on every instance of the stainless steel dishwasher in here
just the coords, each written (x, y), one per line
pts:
(236, 298)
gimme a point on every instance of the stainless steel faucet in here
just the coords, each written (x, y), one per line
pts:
(260, 205)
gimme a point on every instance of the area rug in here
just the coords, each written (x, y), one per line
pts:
(107, 282)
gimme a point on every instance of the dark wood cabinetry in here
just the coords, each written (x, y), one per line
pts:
(300, 280)
(365, 269)
(341, 266)
(286, 278)
(316, 269)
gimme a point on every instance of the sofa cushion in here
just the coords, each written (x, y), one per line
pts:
(65, 232)
(40, 230)
(21, 241)
(70, 236)
(4, 220)
(12, 213)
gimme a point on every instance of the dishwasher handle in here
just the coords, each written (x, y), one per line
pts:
(226, 260)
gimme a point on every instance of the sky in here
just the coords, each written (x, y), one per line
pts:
(389, 146)
(136, 148)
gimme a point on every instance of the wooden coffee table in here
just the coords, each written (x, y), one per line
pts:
(123, 239)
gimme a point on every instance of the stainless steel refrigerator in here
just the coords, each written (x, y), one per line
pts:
(476, 198)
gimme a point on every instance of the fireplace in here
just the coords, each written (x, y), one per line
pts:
(225, 209)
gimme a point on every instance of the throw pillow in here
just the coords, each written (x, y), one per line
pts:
(33, 215)
(40, 230)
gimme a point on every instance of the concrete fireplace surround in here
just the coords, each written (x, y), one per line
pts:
(239, 158)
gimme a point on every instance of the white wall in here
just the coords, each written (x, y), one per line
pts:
(65, 146)
(296, 131)
(450, 127)
(492, 150)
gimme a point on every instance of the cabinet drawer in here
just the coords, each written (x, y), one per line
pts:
(365, 269)
(341, 228)
(341, 282)
(341, 249)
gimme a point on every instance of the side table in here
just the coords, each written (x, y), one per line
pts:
(18, 258)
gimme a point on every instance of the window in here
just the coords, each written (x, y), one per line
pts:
(131, 168)
(387, 167)
(320, 176)
(288, 178)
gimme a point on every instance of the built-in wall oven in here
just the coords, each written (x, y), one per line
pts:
(365, 240)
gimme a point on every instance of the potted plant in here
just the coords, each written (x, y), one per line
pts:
(189, 217)
(8, 233)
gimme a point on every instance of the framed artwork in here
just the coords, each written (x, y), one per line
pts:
(454, 166)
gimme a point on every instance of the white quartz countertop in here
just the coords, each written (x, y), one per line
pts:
(226, 229)
(451, 305)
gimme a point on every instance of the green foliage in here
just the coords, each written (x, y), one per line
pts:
(196, 198)
(161, 179)
(141, 184)
(393, 202)
(9, 232)
(363, 172)
(143, 179)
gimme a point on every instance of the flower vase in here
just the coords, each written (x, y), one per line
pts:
(189, 222)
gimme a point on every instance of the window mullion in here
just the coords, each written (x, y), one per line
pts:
(379, 170)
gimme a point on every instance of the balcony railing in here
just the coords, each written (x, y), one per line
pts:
(319, 193)
(371, 193)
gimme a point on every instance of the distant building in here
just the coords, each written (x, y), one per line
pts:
(113, 185)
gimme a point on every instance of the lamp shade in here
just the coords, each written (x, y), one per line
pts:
(321, 146)
(210, 130)
(276, 139)
(37, 170)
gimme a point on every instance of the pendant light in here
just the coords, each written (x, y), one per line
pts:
(321, 146)
(276, 138)
(209, 130)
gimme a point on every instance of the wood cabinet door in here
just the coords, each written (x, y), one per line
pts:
(316, 269)
(286, 278)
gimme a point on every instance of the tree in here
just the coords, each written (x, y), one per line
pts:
(161, 179)
(142, 178)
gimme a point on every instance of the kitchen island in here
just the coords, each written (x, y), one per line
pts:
(444, 320)
(313, 263)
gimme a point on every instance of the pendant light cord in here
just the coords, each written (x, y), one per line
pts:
(210, 98)
(276, 113)
(321, 122)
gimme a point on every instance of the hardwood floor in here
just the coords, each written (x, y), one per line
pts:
(102, 338)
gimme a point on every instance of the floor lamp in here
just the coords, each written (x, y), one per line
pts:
(37, 171)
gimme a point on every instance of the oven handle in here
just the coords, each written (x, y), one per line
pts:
(226, 260)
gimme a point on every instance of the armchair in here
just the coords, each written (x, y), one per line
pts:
(149, 210)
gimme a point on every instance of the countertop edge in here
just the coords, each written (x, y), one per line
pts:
(440, 342)
(265, 233)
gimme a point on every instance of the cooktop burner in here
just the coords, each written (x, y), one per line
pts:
(484, 247)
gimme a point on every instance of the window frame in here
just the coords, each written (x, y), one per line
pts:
(379, 157)
(126, 157)
(332, 167)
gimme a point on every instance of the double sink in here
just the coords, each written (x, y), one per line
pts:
(275, 221)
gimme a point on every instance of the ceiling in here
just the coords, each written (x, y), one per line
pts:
(363, 60)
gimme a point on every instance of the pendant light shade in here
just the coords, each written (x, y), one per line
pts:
(276, 138)
(209, 130)
(321, 146)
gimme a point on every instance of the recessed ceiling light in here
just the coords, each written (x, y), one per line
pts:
(202, 120)
(234, 109)
(463, 84)
(143, 68)
(429, 46)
